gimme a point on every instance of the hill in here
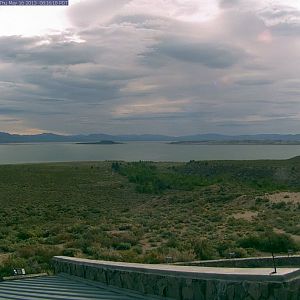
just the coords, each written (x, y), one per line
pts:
(90, 138)
(145, 212)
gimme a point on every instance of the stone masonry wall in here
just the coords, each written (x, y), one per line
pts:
(181, 287)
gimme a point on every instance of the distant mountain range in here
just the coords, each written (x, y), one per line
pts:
(50, 137)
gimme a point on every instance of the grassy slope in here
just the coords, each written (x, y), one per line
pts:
(85, 209)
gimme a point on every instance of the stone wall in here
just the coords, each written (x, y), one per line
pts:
(187, 283)
(253, 262)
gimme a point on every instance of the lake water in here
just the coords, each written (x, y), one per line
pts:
(134, 151)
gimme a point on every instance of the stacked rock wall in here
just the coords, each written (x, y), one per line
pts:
(182, 285)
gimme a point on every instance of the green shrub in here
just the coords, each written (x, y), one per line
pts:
(122, 246)
(7, 266)
(153, 257)
(269, 242)
(70, 252)
(279, 205)
(137, 249)
(237, 252)
(23, 235)
(204, 249)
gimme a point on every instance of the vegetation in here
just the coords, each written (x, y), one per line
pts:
(147, 212)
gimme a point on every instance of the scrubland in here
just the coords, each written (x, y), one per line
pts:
(147, 212)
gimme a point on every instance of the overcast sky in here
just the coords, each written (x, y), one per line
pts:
(151, 66)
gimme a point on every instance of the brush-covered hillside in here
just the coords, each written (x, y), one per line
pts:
(146, 212)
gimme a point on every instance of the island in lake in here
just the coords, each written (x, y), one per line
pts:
(100, 143)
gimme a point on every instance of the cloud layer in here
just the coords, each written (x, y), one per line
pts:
(170, 67)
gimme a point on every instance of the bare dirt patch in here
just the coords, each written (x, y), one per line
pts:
(284, 196)
(3, 257)
(246, 215)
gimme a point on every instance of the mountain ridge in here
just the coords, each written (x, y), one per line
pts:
(96, 137)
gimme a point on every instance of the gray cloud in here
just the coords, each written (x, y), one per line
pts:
(286, 29)
(212, 55)
(26, 50)
(254, 82)
(282, 19)
(92, 12)
(229, 3)
(137, 71)
(9, 111)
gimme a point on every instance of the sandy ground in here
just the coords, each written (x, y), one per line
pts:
(3, 257)
(246, 215)
(284, 196)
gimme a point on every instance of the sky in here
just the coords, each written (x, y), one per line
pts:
(173, 67)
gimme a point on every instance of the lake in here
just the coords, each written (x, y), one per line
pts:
(134, 151)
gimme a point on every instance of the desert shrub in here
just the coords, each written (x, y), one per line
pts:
(107, 254)
(122, 246)
(279, 205)
(23, 235)
(251, 241)
(259, 227)
(116, 166)
(172, 242)
(34, 259)
(216, 217)
(83, 245)
(153, 257)
(137, 249)
(237, 252)
(178, 255)
(42, 254)
(70, 252)
(260, 200)
(124, 237)
(161, 254)
(125, 227)
(291, 229)
(4, 232)
(6, 246)
(149, 180)
(6, 267)
(167, 234)
(78, 228)
(204, 249)
(269, 242)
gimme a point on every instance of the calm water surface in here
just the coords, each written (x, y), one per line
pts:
(133, 151)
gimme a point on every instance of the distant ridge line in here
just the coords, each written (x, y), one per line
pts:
(50, 137)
